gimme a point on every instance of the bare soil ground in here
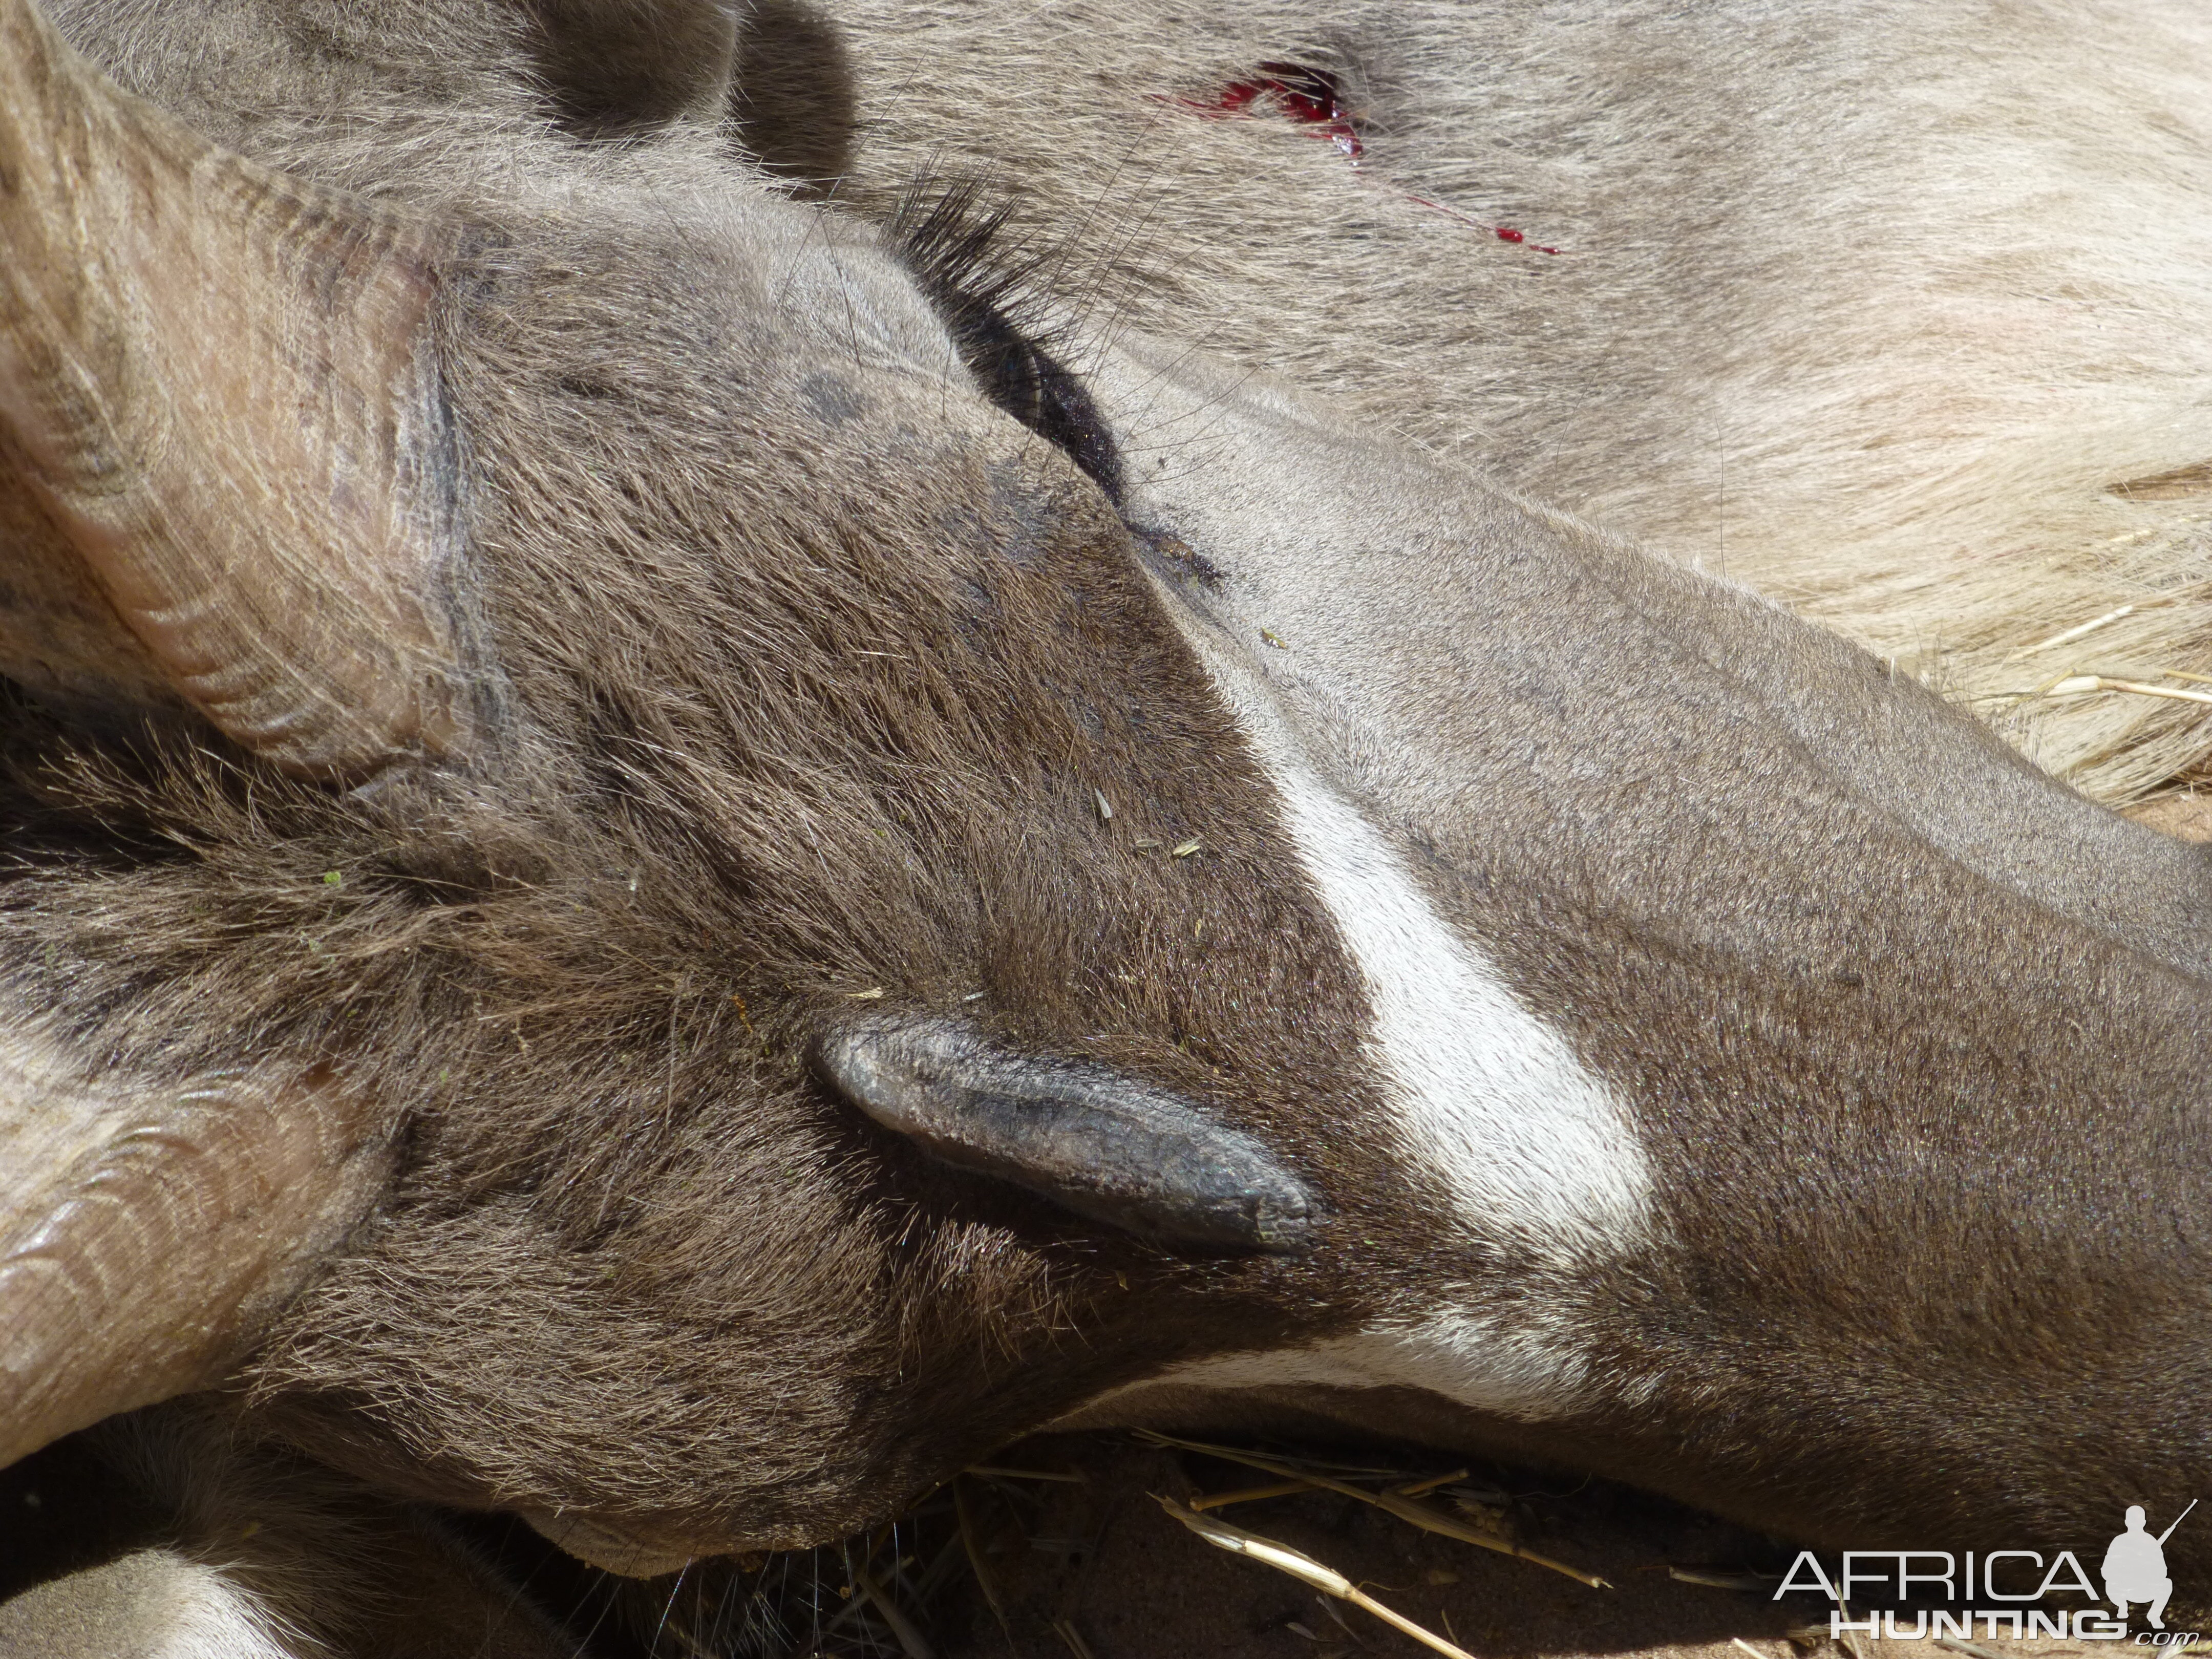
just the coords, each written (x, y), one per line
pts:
(1079, 1560)
(2186, 817)
(1088, 1565)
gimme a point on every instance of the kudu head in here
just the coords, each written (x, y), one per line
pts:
(665, 878)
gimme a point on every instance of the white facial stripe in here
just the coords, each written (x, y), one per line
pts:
(1504, 1115)
(1530, 1146)
(1534, 1150)
(1491, 1106)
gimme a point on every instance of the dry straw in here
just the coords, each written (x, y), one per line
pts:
(1397, 1502)
(1329, 1582)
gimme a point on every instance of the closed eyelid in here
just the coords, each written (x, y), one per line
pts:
(981, 277)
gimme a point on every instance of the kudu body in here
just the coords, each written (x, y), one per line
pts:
(663, 879)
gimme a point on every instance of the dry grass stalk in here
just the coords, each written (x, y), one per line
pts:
(909, 1639)
(1418, 1514)
(1214, 1500)
(1417, 1488)
(973, 1547)
(1302, 1567)
(2072, 634)
(2079, 685)
(1851, 1637)
(1065, 1629)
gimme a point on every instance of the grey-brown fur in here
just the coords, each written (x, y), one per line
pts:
(752, 758)
(1923, 1065)
(1872, 305)
(792, 676)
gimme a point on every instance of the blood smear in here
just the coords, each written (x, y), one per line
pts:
(1314, 98)
(1311, 97)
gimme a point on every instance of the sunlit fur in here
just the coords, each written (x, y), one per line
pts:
(1871, 304)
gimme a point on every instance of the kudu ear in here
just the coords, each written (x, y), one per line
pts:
(795, 107)
(775, 73)
(224, 472)
(618, 66)
(1083, 1136)
(144, 1237)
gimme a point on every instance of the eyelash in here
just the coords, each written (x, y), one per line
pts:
(985, 285)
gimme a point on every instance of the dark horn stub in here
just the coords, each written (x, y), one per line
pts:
(1082, 1135)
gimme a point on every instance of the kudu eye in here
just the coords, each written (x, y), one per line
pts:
(982, 281)
(1083, 1136)
(1034, 387)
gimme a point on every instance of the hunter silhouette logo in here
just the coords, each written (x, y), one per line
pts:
(2135, 1567)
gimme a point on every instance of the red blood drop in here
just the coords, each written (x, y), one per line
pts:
(1314, 98)
(1310, 97)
